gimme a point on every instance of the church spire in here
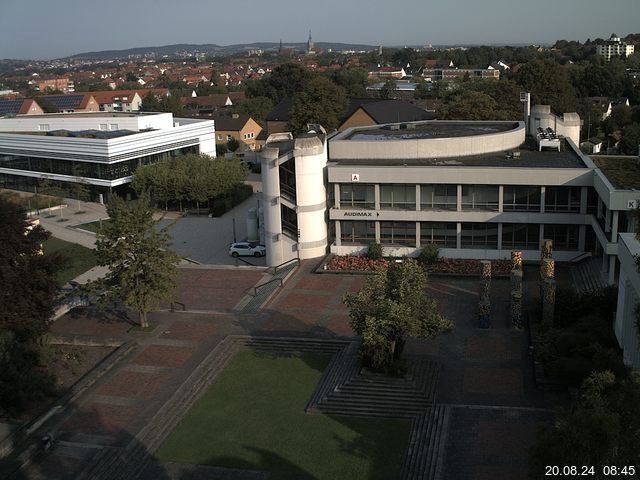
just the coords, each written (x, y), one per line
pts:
(310, 45)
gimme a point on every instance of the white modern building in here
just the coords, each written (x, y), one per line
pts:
(475, 189)
(101, 150)
(626, 325)
(614, 47)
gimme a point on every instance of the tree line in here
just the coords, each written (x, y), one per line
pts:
(188, 179)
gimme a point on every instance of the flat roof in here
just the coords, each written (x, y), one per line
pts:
(566, 158)
(86, 114)
(437, 129)
(622, 171)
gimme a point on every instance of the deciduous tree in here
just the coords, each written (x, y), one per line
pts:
(142, 267)
(321, 101)
(390, 307)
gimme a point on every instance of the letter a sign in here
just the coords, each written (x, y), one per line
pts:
(355, 177)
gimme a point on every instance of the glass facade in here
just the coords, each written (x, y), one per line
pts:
(518, 198)
(357, 233)
(480, 235)
(480, 197)
(442, 234)
(396, 196)
(438, 197)
(562, 199)
(79, 168)
(289, 222)
(565, 237)
(398, 233)
(287, 172)
(357, 196)
(522, 236)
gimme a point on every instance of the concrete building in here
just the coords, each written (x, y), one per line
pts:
(626, 325)
(614, 47)
(97, 149)
(64, 85)
(475, 189)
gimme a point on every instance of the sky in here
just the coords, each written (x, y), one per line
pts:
(39, 29)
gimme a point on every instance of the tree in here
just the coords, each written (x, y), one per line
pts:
(549, 84)
(471, 105)
(284, 81)
(150, 103)
(321, 101)
(27, 302)
(630, 139)
(233, 144)
(601, 429)
(142, 268)
(391, 306)
(354, 80)
(257, 108)
(388, 90)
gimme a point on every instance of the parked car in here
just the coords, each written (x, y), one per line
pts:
(247, 249)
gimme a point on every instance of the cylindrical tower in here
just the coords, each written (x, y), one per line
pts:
(271, 205)
(311, 196)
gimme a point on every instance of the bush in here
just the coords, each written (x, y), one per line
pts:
(429, 254)
(375, 252)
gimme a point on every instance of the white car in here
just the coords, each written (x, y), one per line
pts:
(247, 249)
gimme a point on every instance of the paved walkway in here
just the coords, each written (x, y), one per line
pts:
(485, 374)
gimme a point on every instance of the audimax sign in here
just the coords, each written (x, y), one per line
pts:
(360, 214)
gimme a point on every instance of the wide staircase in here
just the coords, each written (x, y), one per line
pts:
(587, 276)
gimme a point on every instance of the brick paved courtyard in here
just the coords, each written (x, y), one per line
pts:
(485, 374)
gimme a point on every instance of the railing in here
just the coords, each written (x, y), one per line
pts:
(580, 257)
(283, 265)
(174, 303)
(255, 289)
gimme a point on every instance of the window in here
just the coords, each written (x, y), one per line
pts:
(439, 197)
(480, 197)
(480, 235)
(521, 199)
(287, 173)
(103, 126)
(357, 196)
(43, 127)
(359, 233)
(442, 234)
(398, 196)
(398, 233)
(564, 237)
(113, 126)
(520, 236)
(562, 199)
(229, 137)
(219, 137)
(289, 222)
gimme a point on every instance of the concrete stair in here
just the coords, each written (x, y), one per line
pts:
(347, 389)
(426, 445)
(587, 276)
(264, 293)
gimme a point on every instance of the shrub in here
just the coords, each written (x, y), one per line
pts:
(375, 251)
(429, 254)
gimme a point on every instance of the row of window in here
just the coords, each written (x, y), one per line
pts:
(473, 235)
(474, 197)
(78, 168)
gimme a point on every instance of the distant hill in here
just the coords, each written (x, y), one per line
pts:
(209, 48)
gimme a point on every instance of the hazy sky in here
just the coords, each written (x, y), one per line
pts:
(45, 29)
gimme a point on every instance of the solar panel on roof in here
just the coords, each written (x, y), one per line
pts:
(65, 102)
(10, 107)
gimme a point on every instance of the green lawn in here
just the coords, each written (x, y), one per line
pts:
(79, 258)
(253, 417)
(92, 226)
